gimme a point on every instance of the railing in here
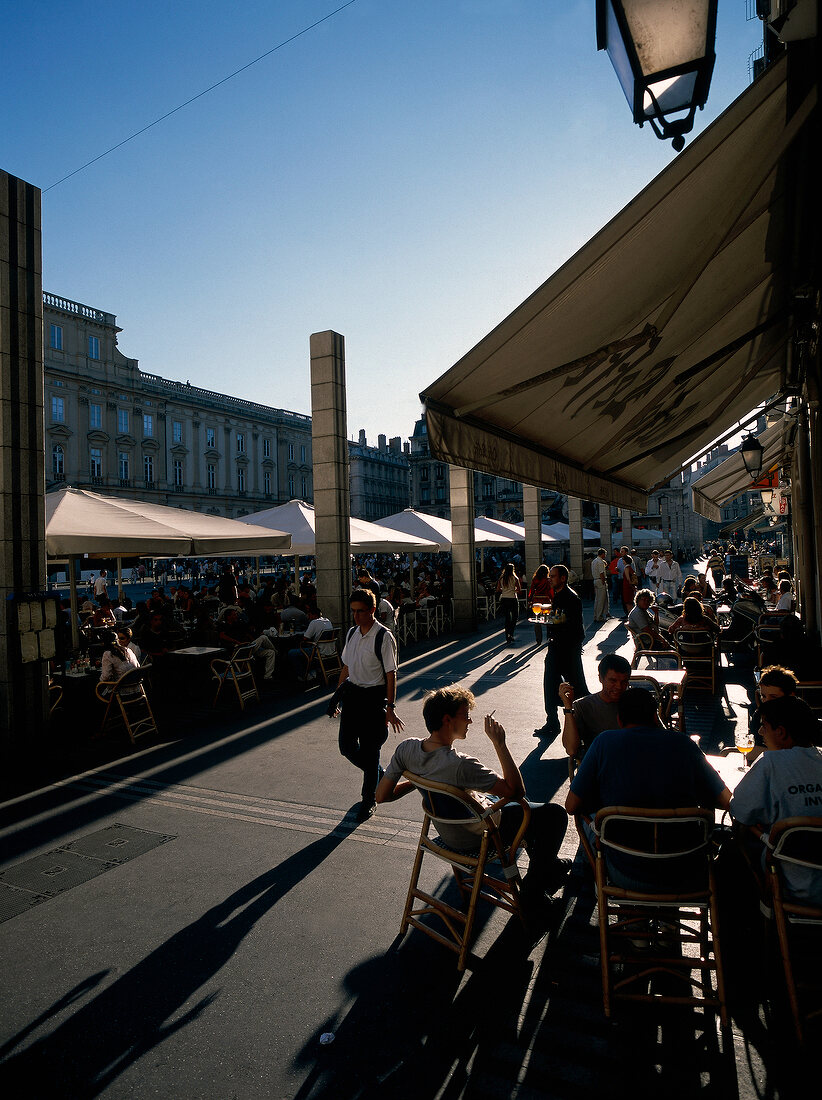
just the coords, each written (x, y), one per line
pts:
(65, 305)
(165, 385)
(125, 482)
(150, 485)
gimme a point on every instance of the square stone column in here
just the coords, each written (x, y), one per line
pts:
(462, 548)
(575, 535)
(23, 651)
(332, 506)
(532, 514)
(605, 527)
(627, 528)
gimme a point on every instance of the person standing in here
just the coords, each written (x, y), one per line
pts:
(368, 687)
(674, 582)
(629, 584)
(509, 588)
(101, 586)
(599, 573)
(563, 659)
(540, 592)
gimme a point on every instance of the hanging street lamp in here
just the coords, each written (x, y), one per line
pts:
(751, 451)
(663, 54)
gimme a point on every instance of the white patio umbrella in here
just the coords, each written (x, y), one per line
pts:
(515, 531)
(81, 522)
(297, 518)
(562, 532)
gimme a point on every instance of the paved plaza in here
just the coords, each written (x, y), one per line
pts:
(188, 920)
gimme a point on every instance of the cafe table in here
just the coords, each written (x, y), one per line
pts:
(669, 683)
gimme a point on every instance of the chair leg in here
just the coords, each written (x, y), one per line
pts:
(604, 958)
(787, 967)
(415, 877)
(472, 904)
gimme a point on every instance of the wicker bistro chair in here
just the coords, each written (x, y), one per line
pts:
(811, 692)
(329, 664)
(236, 671)
(445, 804)
(644, 647)
(797, 841)
(127, 703)
(668, 936)
(699, 653)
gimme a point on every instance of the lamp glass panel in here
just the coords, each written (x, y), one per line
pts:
(665, 33)
(674, 94)
(615, 48)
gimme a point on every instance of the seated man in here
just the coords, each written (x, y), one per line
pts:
(641, 621)
(641, 765)
(589, 716)
(299, 656)
(447, 718)
(234, 631)
(293, 618)
(785, 782)
(157, 638)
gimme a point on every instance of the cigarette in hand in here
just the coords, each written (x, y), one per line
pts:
(491, 715)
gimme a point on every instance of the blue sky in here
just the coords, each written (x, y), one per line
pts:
(405, 173)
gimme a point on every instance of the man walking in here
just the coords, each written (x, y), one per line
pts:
(563, 658)
(599, 575)
(368, 685)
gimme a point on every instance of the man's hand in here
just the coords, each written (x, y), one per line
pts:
(393, 719)
(566, 694)
(494, 731)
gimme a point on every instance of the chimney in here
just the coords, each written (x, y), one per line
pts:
(362, 437)
(381, 442)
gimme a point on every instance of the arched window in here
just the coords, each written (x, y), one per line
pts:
(58, 461)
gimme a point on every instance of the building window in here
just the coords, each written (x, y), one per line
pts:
(122, 421)
(290, 452)
(302, 454)
(267, 483)
(148, 470)
(95, 416)
(211, 475)
(177, 431)
(58, 461)
(424, 473)
(240, 443)
(425, 495)
(93, 347)
(58, 410)
(241, 479)
(178, 473)
(266, 448)
(148, 425)
(439, 472)
(440, 493)
(291, 487)
(304, 488)
(210, 438)
(123, 466)
(487, 488)
(96, 462)
(56, 337)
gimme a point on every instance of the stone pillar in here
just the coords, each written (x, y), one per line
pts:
(605, 527)
(627, 528)
(532, 514)
(23, 683)
(575, 559)
(332, 505)
(462, 548)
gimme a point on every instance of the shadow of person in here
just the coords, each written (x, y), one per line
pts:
(83, 1055)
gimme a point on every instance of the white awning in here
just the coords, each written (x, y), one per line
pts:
(730, 478)
(663, 331)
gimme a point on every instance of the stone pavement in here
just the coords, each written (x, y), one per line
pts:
(187, 920)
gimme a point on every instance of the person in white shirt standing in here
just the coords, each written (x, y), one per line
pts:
(673, 583)
(599, 574)
(101, 585)
(368, 688)
(652, 570)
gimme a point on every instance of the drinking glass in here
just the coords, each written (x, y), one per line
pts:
(744, 743)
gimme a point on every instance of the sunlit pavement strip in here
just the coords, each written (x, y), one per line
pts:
(294, 816)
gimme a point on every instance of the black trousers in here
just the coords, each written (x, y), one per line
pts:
(545, 834)
(363, 732)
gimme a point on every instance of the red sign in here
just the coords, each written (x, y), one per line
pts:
(783, 506)
(768, 481)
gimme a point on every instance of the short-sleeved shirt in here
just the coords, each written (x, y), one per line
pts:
(593, 716)
(784, 783)
(640, 619)
(648, 767)
(445, 765)
(313, 631)
(598, 568)
(360, 657)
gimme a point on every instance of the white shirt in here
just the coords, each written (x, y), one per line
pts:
(313, 631)
(663, 571)
(100, 588)
(359, 657)
(652, 569)
(598, 568)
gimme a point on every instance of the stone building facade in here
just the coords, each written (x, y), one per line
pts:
(379, 477)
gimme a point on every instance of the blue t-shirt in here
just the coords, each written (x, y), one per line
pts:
(649, 767)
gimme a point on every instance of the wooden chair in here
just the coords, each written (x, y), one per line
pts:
(657, 936)
(797, 842)
(644, 647)
(768, 639)
(329, 664)
(238, 671)
(445, 804)
(699, 654)
(55, 696)
(127, 703)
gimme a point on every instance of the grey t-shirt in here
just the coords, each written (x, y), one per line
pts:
(593, 715)
(445, 765)
(640, 620)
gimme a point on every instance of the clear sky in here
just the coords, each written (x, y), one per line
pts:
(404, 173)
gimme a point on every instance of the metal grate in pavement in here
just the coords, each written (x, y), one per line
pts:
(27, 884)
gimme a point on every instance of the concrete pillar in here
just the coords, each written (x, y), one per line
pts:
(332, 505)
(575, 535)
(605, 527)
(627, 528)
(532, 514)
(462, 548)
(23, 668)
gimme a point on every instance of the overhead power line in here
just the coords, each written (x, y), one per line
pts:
(199, 95)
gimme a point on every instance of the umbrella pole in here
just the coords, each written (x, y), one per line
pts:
(120, 594)
(411, 572)
(75, 628)
(297, 574)
(257, 567)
